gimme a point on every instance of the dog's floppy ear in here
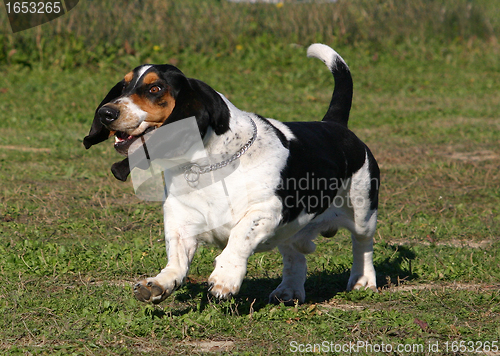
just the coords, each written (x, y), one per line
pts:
(98, 132)
(195, 98)
(121, 170)
(215, 111)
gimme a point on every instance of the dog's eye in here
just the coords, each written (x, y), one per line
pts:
(155, 89)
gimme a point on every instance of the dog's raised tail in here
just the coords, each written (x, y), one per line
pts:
(340, 105)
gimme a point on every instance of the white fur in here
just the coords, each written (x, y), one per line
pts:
(132, 118)
(328, 55)
(141, 72)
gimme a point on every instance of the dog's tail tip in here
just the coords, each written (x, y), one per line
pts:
(340, 105)
(327, 54)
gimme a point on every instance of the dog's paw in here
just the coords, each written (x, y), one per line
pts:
(223, 288)
(150, 291)
(289, 295)
(225, 282)
(357, 282)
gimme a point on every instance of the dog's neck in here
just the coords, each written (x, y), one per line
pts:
(242, 130)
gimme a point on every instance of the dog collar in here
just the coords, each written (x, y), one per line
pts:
(192, 172)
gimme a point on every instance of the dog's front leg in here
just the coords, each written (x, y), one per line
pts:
(231, 264)
(180, 251)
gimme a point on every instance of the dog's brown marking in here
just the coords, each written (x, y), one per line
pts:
(157, 112)
(150, 78)
(111, 133)
(129, 76)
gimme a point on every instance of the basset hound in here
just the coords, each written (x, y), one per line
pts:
(294, 180)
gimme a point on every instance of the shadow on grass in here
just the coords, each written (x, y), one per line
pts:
(320, 286)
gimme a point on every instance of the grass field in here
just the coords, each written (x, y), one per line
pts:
(73, 239)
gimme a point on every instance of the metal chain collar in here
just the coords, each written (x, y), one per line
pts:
(192, 172)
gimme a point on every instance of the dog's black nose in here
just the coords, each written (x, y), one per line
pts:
(108, 114)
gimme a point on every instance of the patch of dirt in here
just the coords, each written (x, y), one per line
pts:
(25, 149)
(115, 283)
(473, 287)
(461, 121)
(474, 156)
(401, 155)
(210, 345)
(6, 218)
(451, 243)
(337, 304)
(408, 287)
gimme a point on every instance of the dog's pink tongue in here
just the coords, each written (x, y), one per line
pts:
(119, 139)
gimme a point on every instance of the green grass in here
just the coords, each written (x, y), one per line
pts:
(102, 34)
(73, 239)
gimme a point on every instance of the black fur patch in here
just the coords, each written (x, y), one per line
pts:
(322, 158)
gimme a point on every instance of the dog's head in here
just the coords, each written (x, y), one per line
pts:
(151, 96)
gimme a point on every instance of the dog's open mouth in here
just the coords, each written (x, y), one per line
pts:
(123, 140)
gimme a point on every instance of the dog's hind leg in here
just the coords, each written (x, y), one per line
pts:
(291, 288)
(362, 271)
(363, 198)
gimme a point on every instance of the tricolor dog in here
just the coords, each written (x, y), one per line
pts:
(301, 179)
